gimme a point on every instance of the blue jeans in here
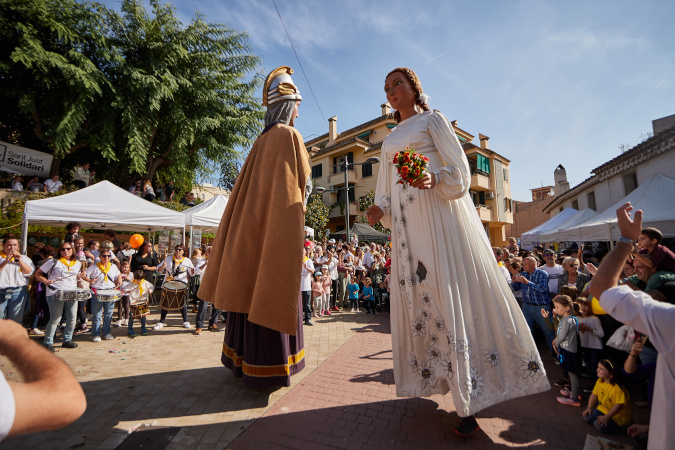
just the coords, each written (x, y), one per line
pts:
(611, 427)
(96, 307)
(13, 303)
(533, 315)
(56, 309)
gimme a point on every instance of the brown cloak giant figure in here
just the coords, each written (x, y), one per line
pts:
(255, 264)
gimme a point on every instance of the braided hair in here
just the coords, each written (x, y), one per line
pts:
(417, 86)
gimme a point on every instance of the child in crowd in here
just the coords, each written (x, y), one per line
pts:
(567, 344)
(138, 289)
(591, 334)
(317, 295)
(72, 231)
(613, 412)
(327, 283)
(353, 289)
(123, 305)
(368, 297)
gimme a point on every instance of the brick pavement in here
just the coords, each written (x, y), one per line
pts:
(350, 402)
(170, 378)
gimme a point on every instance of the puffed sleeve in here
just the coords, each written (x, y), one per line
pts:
(453, 179)
(383, 188)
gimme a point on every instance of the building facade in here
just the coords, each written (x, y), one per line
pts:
(206, 191)
(618, 177)
(490, 179)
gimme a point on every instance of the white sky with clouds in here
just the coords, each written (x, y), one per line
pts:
(549, 82)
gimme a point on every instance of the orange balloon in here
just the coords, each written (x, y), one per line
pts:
(136, 240)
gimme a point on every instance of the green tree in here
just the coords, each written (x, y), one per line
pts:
(316, 216)
(366, 202)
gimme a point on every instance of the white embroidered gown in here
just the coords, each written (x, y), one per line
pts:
(456, 326)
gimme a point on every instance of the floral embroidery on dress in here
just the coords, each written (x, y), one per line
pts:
(464, 347)
(434, 354)
(475, 383)
(451, 341)
(404, 220)
(412, 280)
(426, 299)
(401, 282)
(410, 198)
(428, 373)
(425, 315)
(433, 338)
(531, 367)
(412, 362)
(446, 362)
(440, 325)
(419, 327)
(492, 358)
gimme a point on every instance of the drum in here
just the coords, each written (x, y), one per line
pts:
(138, 310)
(174, 295)
(72, 295)
(108, 295)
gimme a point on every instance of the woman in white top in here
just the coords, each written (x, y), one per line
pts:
(177, 268)
(15, 269)
(102, 275)
(60, 273)
(306, 285)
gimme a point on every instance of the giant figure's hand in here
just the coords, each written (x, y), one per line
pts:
(374, 214)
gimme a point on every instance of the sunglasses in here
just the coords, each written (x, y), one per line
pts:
(66, 248)
(105, 256)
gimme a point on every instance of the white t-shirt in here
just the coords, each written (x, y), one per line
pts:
(657, 320)
(368, 259)
(12, 276)
(59, 271)
(332, 268)
(53, 186)
(553, 274)
(101, 281)
(306, 276)
(588, 339)
(198, 263)
(179, 271)
(505, 273)
(7, 407)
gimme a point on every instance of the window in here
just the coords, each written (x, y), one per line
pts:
(481, 198)
(575, 204)
(629, 183)
(591, 200)
(506, 174)
(507, 204)
(367, 170)
(482, 163)
(317, 171)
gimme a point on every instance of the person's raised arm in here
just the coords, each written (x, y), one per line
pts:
(50, 397)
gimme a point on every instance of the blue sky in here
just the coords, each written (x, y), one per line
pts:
(549, 82)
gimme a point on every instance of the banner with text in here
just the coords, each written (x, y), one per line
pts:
(15, 159)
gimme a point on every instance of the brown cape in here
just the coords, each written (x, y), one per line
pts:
(256, 259)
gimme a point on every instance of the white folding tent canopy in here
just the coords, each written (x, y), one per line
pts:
(531, 238)
(554, 234)
(102, 205)
(206, 216)
(654, 198)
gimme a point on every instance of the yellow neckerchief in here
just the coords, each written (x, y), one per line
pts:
(305, 258)
(105, 269)
(67, 263)
(177, 263)
(140, 285)
(500, 263)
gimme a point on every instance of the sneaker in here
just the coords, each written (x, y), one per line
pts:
(327, 313)
(131, 334)
(120, 323)
(568, 393)
(84, 328)
(373, 314)
(187, 325)
(562, 382)
(352, 310)
(568, 401)
(467, 426)
(158, 326)
(214, 328)
(49, 347)
(96, 339)
(357, 310)
(144, 332)
(198, 331)
(307, 322)
(68, 344)
(109, 337)
(334, 308)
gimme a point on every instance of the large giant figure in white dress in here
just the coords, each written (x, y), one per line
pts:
(456, 325)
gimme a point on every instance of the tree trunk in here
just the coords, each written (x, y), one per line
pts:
(56, 164)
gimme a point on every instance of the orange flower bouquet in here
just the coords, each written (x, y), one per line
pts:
(411, 166)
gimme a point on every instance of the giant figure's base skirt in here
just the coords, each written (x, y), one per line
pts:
(262, 357)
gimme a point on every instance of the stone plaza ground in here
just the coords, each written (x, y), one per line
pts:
(169, 390)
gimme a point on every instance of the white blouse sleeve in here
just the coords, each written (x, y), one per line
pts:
(383, 188)
(452, 180)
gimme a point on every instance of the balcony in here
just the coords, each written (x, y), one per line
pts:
(337, 177)
(336, 212)
(480, 181)
(484, 212)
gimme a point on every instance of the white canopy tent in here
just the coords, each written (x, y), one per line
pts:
(102, 205)
(531, 238)
(206, 217)
(554, 234)
(654, 198)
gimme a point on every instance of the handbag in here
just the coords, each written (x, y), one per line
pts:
(622, 339)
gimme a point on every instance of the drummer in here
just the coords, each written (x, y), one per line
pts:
(102, 275)
(15, 269)
(177, 268)
(60, 273)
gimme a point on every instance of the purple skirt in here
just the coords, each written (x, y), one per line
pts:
(261, 356)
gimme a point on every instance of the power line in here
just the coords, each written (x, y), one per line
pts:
(296, 56)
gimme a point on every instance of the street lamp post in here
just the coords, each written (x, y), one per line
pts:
(345, 168)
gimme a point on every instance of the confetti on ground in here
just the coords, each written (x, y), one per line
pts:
(114, 350)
